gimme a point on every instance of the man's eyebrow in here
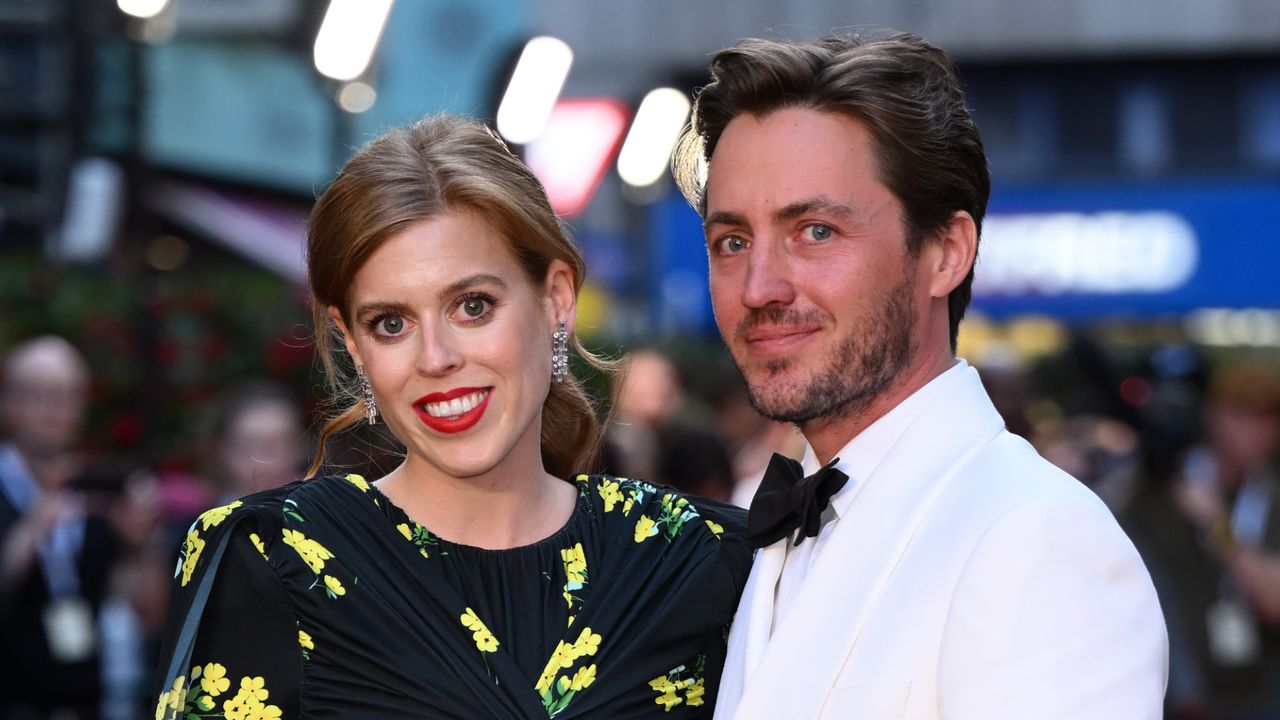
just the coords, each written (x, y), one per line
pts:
(814, 204)
(723, 217)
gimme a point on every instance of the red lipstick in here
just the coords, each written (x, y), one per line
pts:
(455, 423)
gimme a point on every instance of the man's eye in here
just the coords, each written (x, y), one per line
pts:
(732, 244)
(819, 232)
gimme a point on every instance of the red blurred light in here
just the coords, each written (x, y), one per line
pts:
(575, 149)
(1135, 391)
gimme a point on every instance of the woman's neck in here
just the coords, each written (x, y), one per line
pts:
(502, 508)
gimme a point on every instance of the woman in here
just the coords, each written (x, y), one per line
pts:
(484, 576)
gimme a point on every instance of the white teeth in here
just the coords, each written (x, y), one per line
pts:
(456, 406)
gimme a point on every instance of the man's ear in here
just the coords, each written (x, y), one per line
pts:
(955, 248)
(347, 337)
(562, 299)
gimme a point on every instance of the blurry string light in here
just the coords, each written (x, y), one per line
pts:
(142, 8)
(349, 36)
(647, 149)
(356, 97)
(535, 85)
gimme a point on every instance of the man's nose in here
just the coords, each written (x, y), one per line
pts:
(767, 280)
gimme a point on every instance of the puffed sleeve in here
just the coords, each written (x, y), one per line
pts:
(248, 652)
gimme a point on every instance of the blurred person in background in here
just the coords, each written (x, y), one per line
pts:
(55, 555)
(752, 438)
(258, 440)
(487, 575)
(1211, 535)
(650, 437)
(923, 562)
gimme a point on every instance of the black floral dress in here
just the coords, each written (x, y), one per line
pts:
(331, 603)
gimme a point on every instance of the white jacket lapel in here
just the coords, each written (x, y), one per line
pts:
(752, 625)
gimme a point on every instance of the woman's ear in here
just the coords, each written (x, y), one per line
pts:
(562, 296)
(347, 338)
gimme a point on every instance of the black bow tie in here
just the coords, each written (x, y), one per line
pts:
(788, 500)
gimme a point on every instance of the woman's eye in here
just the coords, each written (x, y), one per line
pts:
(476, 307)
(819, 232)
(391, 325)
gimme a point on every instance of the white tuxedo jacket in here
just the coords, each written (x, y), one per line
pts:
(969, 579)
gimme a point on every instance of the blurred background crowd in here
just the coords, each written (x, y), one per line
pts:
(158, 159)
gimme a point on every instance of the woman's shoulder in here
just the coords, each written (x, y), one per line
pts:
(645, 511)
(692, 531)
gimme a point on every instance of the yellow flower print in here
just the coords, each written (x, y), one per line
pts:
(611, 493)
(404, 530)
(485, 641)
(171, 700)
(358, 481)
(716, 529)
(257, 542)
(263, 712)
(586, 644)
(552, 667)
(214, 680)
(693, 695)
(312, 553)
(204, 703)
(582, 478)
(575, 565)
(645, 528)
(666, 690)
(254, 688)
(333, 586)
(678, 679)
(304, 639)
(248, 703)
(214, 516)
(583, 678)
(191, 550)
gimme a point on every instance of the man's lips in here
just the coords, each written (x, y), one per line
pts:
(776, 338)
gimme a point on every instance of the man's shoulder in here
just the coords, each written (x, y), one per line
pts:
(1008, 473)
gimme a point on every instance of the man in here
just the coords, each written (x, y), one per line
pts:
(954, 574)
(55, 559)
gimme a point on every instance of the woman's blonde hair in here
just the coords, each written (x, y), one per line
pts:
(440, 164)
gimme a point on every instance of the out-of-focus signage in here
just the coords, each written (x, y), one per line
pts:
(1067, 252)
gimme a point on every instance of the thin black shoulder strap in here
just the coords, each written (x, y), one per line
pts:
(186, 642)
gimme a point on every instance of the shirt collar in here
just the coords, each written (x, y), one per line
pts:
(861, 455)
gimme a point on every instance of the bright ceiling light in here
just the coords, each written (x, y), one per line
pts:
(142, 8)
(348, 36)
(535, 84)
(647, 149)
(356, 97)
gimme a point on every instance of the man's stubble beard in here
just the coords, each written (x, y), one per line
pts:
(864, 365)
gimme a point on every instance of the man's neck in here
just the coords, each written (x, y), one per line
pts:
(828, 435)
